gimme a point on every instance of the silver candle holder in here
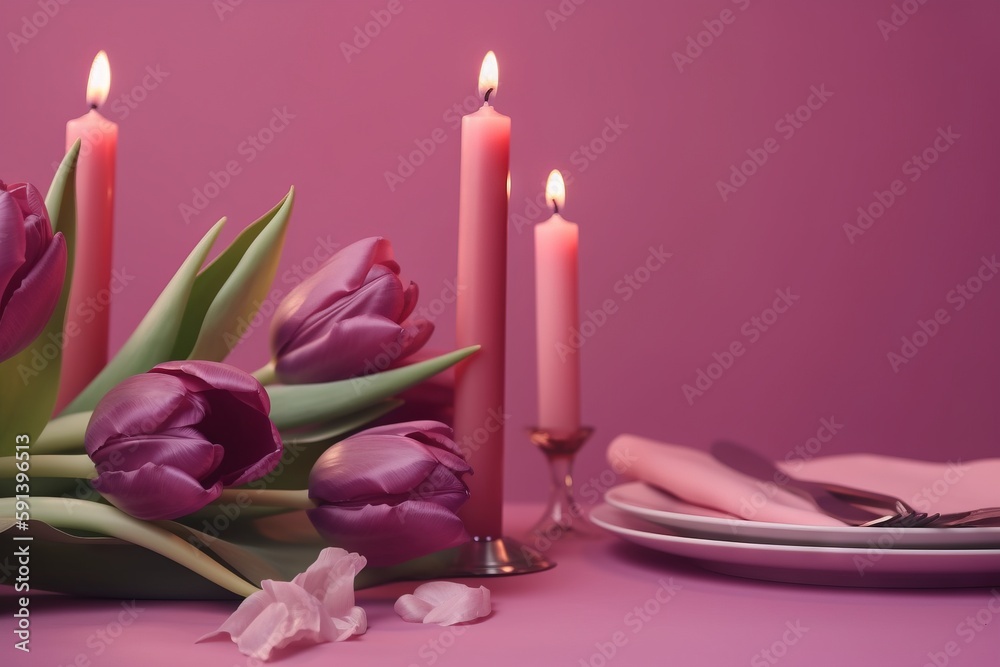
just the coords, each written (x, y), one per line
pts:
(563, 515)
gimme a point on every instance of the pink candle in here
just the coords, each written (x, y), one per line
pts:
(86, 348)
(556, 242)
(482, 304)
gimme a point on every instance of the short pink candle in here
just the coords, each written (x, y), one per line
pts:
(556, 243)
(481, 305)
(85, 351)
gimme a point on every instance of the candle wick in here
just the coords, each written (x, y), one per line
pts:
(555, 205)
(487, 100)
(94, 107)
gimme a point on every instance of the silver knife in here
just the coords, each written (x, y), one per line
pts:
(745, 460)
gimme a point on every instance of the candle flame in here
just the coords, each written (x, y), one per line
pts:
(99, 82)
(555, 190)
(489, 76)
(508, 186)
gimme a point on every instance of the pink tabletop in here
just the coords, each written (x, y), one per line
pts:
(606, 603)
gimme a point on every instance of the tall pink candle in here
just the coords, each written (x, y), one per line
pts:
(481, 306)
(556, 242)
(85, 351)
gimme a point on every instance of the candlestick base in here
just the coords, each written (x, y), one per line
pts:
(492, 557)
(563, 517)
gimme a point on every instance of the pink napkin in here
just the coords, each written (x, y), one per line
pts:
(694, 476)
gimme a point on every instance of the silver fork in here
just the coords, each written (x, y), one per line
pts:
(982, 517)
(905, 517)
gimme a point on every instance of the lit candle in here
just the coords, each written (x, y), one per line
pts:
(85, 350)
(556, 243)
(481, 305)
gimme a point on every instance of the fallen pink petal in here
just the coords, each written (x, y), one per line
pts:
(444, 603)
(317, 606)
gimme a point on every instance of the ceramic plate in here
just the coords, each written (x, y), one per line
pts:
(662, 508)
(825, 566)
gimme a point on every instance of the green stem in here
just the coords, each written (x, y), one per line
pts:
(53, 465)
(298, 500)
(266, 374)
(62, 435)
(106, 520)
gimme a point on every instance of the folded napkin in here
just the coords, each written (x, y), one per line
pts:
(696, 477)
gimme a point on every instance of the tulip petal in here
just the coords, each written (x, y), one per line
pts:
(198, 376)
(444, 603)
(412, 429)
(381, 294)
(191, 455)
(355, 622)
(155, 492)
(142, 404)
(266, 631)
(443, 487)
(29, 199)
(390, 534)
(410, 296)
(365, 343)
(29, 305)
(436, 435)
(440, 441)
(12, 241)
(412, 609)
(255, 445)
(37, 237)
(331, 581)
(417, 333)
(342, 274)
(369, 466)
(283, 613)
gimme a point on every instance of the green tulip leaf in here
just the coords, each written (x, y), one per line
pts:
(115, 569)
(100, 519)
(298, 405)
(228, 292)
(117, 556)
(63, 435)
(153, 340)
(330, 432)
(27, 392)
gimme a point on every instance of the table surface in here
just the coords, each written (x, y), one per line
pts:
(605, 603)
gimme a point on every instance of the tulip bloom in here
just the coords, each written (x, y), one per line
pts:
(32, 267)
(347, 319)
(391, 492)
(166, 442)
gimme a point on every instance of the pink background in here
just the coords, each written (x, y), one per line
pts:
(654, 185)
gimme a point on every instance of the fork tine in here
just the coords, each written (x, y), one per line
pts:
(902, 520)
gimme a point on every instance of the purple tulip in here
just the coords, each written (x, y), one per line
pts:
(347, 319)
(32, 267)
(166, 442)
(391, 492)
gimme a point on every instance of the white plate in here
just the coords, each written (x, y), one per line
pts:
(826, 566)
(662, 508)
